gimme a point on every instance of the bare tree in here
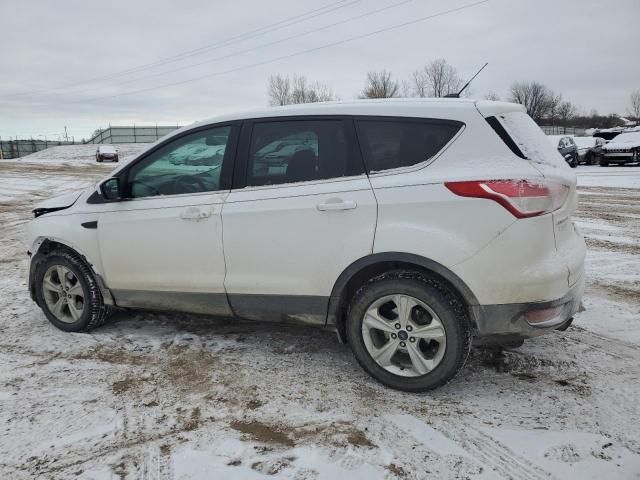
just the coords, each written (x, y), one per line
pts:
(380, 85)
(538, 99)
(436, 79)
(566, 111)
(286, 91)
(554, 103)
(635, 104)
(492, 96)
(279, 90)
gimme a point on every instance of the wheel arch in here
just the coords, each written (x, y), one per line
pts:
(42, 246)
(365, 268)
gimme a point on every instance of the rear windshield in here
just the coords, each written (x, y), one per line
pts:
(530, 139)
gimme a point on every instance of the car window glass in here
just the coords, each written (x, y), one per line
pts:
(389, 144)
(189, 164)
(300, 151)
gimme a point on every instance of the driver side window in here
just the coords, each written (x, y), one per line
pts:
(189, 164)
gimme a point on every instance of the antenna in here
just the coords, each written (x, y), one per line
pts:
(457, 95)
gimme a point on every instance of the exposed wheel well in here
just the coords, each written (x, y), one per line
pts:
(340, 299)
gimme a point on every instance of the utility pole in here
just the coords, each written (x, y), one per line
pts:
(66, 136)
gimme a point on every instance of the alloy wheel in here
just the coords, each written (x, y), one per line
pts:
(404, 335)
(63, 293)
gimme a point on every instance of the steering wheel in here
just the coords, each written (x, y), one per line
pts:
(188, 184)
(154, 190)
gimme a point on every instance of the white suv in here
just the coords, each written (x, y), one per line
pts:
(409, 227)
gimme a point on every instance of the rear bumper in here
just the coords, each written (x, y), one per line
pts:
(509, 320)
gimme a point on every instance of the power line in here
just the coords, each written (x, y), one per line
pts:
(265, 45)
(296, 54)
(223, 43)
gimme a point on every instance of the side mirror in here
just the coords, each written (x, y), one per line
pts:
(110, 189)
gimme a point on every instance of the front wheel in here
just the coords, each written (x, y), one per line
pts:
(408, 331)
(68, 293)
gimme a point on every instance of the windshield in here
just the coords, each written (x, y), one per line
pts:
(107, 149)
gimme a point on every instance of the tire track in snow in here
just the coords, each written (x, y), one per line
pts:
(467, 441)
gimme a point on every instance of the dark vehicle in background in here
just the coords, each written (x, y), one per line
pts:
(106, 152)
(567, 148)
(608, 133)
(625, 148)
(589, 149)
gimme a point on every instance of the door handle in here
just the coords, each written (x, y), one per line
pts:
(194, 213)
(337, 204)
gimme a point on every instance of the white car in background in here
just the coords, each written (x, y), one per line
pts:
(407, 226)
(106, 152)
(624, 148)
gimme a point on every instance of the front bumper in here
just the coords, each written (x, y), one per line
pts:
(510, 320)
(620, 157)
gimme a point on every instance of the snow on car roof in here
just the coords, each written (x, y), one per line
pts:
(627, 137)
(107, 148)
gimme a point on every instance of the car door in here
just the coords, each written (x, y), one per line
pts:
(161, 246)
(301, 211)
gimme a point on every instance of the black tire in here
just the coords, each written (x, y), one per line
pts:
(575, 162)
(604, 164)
(99, 159)
(94, 313)
(440, 299)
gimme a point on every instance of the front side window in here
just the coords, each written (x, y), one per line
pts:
(189, 164)
(300, 151)
(391, 143)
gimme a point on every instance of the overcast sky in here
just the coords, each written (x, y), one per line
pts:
(588, 50)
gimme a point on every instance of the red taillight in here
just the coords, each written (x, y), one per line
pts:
(523, 198)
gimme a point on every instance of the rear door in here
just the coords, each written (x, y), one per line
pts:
(301, 212)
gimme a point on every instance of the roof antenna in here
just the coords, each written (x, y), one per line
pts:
(457, 95)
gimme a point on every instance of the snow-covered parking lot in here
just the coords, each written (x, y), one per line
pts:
(178, 397)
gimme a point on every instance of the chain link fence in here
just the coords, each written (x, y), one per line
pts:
(134, 134)
(557, 130)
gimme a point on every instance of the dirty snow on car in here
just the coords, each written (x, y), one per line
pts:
(182, 396)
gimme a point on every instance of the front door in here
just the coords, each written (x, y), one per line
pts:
(303, 212)
(161, 247)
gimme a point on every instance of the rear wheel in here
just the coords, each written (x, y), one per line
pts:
(68, 293)
(603, 163)
(408, 331)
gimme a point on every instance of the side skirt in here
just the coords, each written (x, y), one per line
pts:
(300, 309)
(187, 302)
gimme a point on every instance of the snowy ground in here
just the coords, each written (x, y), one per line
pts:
(159, 396)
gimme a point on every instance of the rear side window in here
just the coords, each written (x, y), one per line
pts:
(300, 151)
(394, 143)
